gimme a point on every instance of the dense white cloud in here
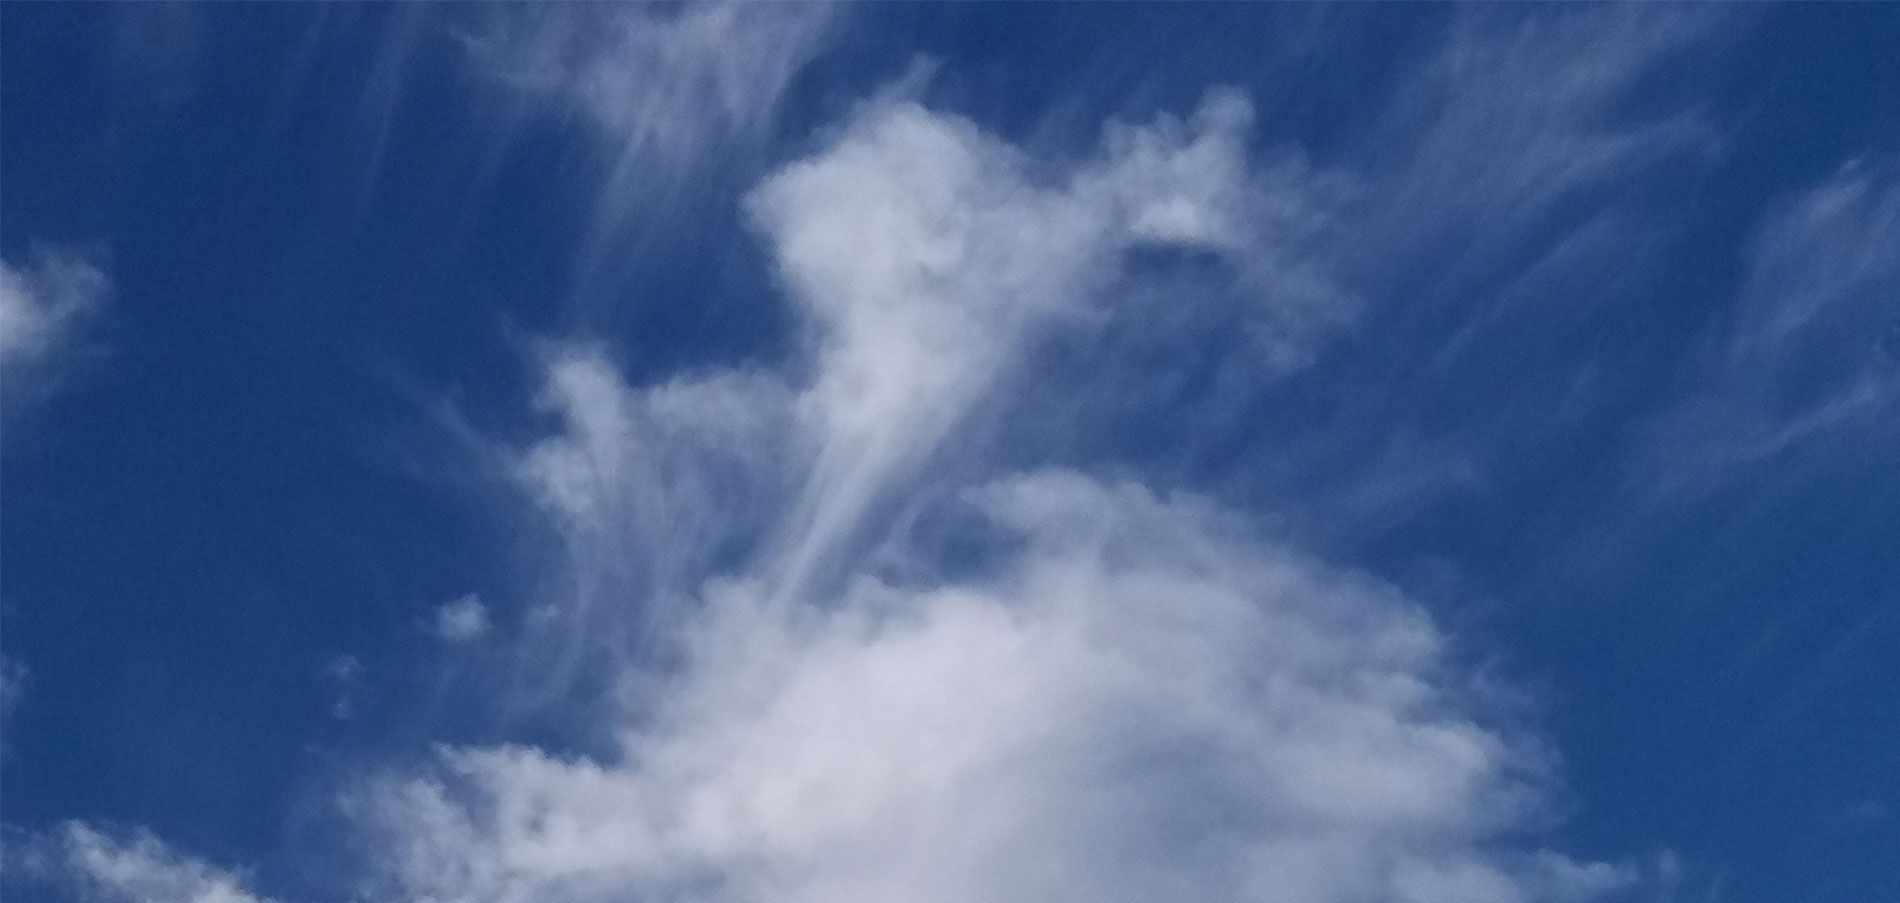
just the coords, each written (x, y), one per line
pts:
(1142, 703)
(46, 304)
(925, 257)
(135, 869)
(1126, 698)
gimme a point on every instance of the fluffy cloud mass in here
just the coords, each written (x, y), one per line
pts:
(1093, 693)
(926, 258)
(821, 453)
(1139, 703)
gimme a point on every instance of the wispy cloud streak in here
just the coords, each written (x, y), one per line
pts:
(675, 96)
(1809, 359)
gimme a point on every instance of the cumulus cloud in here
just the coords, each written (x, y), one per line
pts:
(1120, 696)
(1140, 703)
(134, 869)
(46, 304)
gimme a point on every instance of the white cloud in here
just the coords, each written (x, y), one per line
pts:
(135, 869)
(649, 491)
(45, 307)
(1123, 697)
(1133, 699)
(1142, 704)
(926, 255)
(462, 620)
(925, 258)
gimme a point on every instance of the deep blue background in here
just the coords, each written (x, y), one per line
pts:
(314, 235)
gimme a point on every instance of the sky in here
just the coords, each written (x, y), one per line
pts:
(793, 453)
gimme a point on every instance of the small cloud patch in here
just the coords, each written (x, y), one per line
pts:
(462, 620)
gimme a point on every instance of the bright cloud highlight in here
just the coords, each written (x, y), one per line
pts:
(1129, 697)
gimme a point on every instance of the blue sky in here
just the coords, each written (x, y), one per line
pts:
(790, 453)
